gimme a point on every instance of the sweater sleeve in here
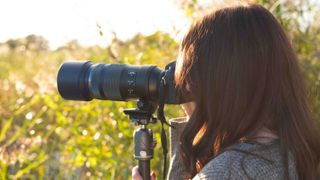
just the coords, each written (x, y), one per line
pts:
(176, 169)
(223, 167)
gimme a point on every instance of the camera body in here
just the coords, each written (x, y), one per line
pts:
(83, 80)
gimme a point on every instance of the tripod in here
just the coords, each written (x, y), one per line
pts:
(144, 142)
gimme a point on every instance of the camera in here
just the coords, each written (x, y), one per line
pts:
(150, 85)
(84, 80)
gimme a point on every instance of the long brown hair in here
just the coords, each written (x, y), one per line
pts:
(243, 75)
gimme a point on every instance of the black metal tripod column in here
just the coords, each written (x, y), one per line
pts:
(143, 150)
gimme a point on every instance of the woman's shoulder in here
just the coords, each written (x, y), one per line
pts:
(248, 161)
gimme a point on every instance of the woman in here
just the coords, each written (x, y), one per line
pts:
(250, 117)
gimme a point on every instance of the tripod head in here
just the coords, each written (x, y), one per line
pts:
(142, 115)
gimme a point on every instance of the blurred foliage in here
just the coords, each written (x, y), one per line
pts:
(31, 42)
(43, 136)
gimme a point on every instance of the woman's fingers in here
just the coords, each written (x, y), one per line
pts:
(153, 175)
(136, 175)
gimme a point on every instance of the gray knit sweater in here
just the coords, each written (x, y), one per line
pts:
(232, 164)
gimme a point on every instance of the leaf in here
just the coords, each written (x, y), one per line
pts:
(39, 160)
(5, 128)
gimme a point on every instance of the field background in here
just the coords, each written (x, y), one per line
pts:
(43, 136)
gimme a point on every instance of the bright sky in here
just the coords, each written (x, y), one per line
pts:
(60, 21)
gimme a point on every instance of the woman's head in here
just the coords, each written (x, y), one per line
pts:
(243, 75)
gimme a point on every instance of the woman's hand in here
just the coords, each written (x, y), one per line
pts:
(136, 175)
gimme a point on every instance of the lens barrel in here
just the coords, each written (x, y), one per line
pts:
(83, 80)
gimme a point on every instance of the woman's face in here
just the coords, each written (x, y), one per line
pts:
(188, 107)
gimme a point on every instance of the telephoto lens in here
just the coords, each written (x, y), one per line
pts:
(83, 80)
